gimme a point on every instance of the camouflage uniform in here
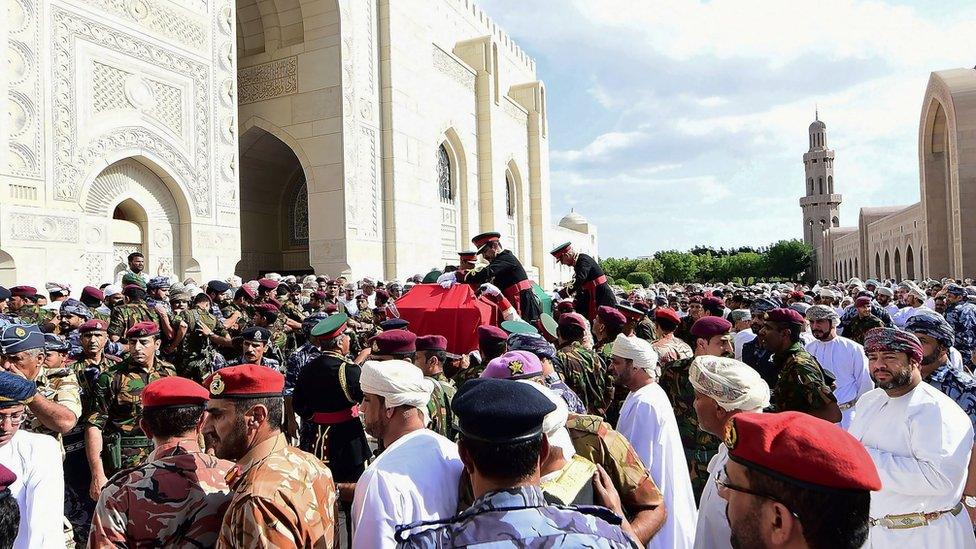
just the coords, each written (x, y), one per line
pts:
(293, 311)
(439, 407)
(283, 497)
(102, 315)
(699, 446)
(471, 372)
(298, 360)
(60, 386)
(801, 384)
(116, 407)
(33, 314)
(859, 326)
(278, 344)
(520, 517)
(126, 316)
(962, 317)
(583, 371)
(176, 499)
(243, 321)
(645, 329)
(558, 386)
(196, 357)
(669, 349)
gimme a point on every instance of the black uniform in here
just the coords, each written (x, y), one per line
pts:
(586, 271)
(505, 271)
(330, 385)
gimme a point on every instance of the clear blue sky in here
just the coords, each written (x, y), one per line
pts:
(676, 123)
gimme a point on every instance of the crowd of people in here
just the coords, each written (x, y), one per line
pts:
(305, 412)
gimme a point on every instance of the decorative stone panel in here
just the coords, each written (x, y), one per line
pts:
(268, 80)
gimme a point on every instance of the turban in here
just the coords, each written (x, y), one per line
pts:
(57, 288)
(112, 289)
(893, 339)
(399, 382)
(533, 343)
(884, 290)
(914, 290)
(933, 325)
(862, 301)
(554, 424)
(956, 290)
(823, 312)
(15, 389)
(763, 305)
(74, 307)
(638, 350)
(734, 385)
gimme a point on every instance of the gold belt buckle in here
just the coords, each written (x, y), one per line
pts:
(901, 522)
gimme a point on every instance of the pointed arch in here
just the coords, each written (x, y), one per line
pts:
(909, 263)
(887, 264)
(515, 187)
(898, 264)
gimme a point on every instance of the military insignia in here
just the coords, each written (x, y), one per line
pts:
(515, 367)
(257, 336)
(731, 436)
(216, 385)
(20, 332)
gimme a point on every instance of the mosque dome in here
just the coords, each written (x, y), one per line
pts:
(574, 221)
(817, 126)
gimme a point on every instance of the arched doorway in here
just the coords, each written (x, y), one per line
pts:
(887, 265)
(877, 264)
(274, 207)
(936, 191)
(8, 270)
(909, 264)
(128, 233)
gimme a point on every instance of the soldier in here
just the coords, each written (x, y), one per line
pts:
(196, 340)
(178, 497)
(292, 306)
(316, 302)
(546, 353)
(92, 298)
(267, 315)
(713, 337)
(240, 310)
(134, 312)
(72, 315)
(254, 343)
(589, 288)
(282, 496)
(505, 271)
(668, 347)
(580, 367)
(113, 438)
(304, 355)
(431, 356)
(467, 260)
(157, 293)
(501, 439)
(864, 321)
(961, 315)
(23, 307)
(492, 343)
(607, 323)
(216, 290)
(801, 384)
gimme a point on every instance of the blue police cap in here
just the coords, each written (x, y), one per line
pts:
(4, 293)
(394, 324)
(20, 337)
(497, 410)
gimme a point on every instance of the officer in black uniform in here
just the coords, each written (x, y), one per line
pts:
(505, 271)
(590, 288)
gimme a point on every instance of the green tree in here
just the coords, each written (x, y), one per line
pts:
(642, 278)
(677, 266)
(789, 258)
(747, 266)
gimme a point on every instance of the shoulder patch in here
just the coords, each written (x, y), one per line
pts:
(583, 422)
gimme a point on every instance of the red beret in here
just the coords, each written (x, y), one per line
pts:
(7, 477)
(245, 381)
(246, 290)
(572, 319)
(708, 327)
(565, 306)
(797, 294)
(784, 315)
(92, 292)
(330, 308)
(23, 291)
(267, 284)
(143, 329)
(712, 302)
(267, 308)
(173, 391)
(395, 342)
(432, 343)
(318, 295)
(664, 313)
(862, 301)
(382, 293)
(802, 449)
(611, 316)
(490, 334)
(695, 299)
(93, 325)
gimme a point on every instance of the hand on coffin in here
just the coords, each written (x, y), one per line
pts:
(447, 280)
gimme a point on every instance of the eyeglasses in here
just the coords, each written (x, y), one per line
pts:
(15, 419)
(722, 482)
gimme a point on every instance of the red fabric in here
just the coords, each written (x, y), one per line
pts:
(454, 313)
(244, 380)
(173, 391)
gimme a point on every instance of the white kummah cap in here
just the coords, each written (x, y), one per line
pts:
(234, 281)
(739, 315)
(399, 382)
(273, 276)
(914, 290)
(554, 424)
(732, 384)
(638, 350)
(823, 312)
(112, 289)
(57, 288)
(884, 290)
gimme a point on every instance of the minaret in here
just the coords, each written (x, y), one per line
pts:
(821, 207)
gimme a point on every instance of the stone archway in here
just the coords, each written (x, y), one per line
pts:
(274, 207)
(8, 270)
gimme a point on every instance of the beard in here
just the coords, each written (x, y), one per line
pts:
(234, 446)
(745, 533)
(931, 358)
(898, 379)
(819, 334)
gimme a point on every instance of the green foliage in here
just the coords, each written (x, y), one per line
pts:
(786, 259)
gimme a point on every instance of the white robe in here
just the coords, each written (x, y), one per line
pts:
(39, 490)
(713, 530)
(741, 338)
(416, 478)
(900, 318)
(846, 361)
(647, 421)
(920, 443)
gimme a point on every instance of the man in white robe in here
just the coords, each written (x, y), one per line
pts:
(914, 303)
(416, 476)
(842, 357)
(647, 421)
(741, 320)
(723, 388)
(920, 441)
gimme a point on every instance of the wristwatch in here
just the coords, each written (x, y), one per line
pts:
(970, 501)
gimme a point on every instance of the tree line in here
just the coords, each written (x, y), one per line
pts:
(783, 260)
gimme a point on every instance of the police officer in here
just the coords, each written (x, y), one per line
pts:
(589, 288)
(72, 315)
(505, 271)
(501, 439)
(254, 343)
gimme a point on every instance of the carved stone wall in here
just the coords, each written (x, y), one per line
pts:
(268, 80)
(25, 155)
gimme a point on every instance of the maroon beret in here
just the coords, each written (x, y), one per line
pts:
(92, 292)
(862, 301)
(572, 319)
(708, 327)
(129, 288)
(712, 302)
(267, 308)
(93, 325)
(7, 477)
(565, 306)
(23, 291)
(143, 329)
(318, 294)
(246, 290)
(267, 284)
(796, 294)
(173, 391)
(491, 334)
(664, 313)
(695, 299)
(245, 381)
(611, 316)
(394, 342)
(785, 315)
(432, 343)
(330, 308)
(801, 449)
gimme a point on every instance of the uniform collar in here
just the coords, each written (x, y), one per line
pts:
(781, 356)
(176, 447)
(254, 456)
(520, 498)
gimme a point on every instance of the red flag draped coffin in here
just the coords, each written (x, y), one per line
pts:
(454, 313)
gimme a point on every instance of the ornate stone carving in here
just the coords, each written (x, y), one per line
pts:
(24, 114)
(73, 160)
(365, 190)
(268, 80)
(93, 266)
(45, 228)
(160, 18)
(453, 69)
(225, 104)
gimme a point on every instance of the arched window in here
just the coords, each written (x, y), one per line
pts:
(830, 184)
(835, 222)
(877, 264)
(887, 271)
(809, 186)
(854, 272)
(509, 195)
(897, 264)
(820, 184)
(909, 263)
(444, 175)
(298, 214)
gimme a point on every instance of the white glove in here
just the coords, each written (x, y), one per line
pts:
(490, 289)
(447, 280)
(511, 314)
